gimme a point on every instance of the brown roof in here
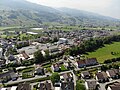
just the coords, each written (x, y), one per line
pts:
(25, 55)
(101, 75)
(24, 86)
(81, 62)
(46, 85)
(91, 84)
(111, 73)
(115, 86)
(90, 60)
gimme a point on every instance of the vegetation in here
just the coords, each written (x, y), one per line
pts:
(39, 58)
(55, 77)
(80, 86)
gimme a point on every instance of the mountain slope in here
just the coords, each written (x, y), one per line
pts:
(24, 13)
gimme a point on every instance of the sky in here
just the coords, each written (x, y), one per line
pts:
(104, 7)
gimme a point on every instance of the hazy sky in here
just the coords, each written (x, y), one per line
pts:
(104, 7)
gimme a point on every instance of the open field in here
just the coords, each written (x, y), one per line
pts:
(3, 28)
(105, 52)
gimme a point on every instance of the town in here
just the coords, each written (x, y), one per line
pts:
(44, 63)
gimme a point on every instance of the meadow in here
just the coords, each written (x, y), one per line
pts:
(104, 53)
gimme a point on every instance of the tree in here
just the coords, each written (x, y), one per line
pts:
(55, 77)
(80, 86)
(39, 58)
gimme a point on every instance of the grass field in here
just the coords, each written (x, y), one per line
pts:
(105, 52)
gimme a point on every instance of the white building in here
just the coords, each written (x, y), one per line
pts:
(1, 51)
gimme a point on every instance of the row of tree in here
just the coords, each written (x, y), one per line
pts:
(91, 45)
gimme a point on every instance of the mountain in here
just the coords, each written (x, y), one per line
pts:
(24, 13)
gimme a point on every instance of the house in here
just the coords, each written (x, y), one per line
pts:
(91, 61)
(24, 86)
(67, 85)
(11, 75)
(62, 41)
(46, 85)
(114, 86)
(67, 77)
(113, 73)
(91, 85)
(87, 62)
(56, 67)
(2, 62)
(102, 77)
(85, 75)
(39, 71)
(81, 63)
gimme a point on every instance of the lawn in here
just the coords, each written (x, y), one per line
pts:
(105, 52)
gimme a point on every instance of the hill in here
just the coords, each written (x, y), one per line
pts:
(24, 13)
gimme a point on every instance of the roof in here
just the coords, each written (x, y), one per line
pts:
(46, 85)
(24, 86)
(90, 60)
(101, 75)
(115, 86)
(25, 55)
(111, 73)
(14, 88)
(81, 62)
(91, 84)
(85, 73)
(67, 85)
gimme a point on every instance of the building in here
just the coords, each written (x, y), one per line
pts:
(114, 86)
(24, 86)
(102, 77)
(67, 86)
(91, 85)
(62, 41)
(87, 62)
(46, 85)
(113, 73)
(11, 75)
(1, 51)
(56, 67)
(85, 75)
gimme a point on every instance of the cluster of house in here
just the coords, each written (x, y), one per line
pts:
(101, 77)
(66, 83)
(21, 86)
(7, 76)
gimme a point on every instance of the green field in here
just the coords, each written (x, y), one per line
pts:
(105, 52)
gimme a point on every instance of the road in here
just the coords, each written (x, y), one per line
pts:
(34, 78)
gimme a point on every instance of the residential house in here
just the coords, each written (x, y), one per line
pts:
(102, 77)
(67, 77)
(56, 67)
(2, 62)
(91, 61)
(67, 85)
(24, 86)
(39, 71)
(85, 75)
(46, 85)
(114, 86)
(81, 63)
(87, 62)
(91, 85)
(113, 73)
